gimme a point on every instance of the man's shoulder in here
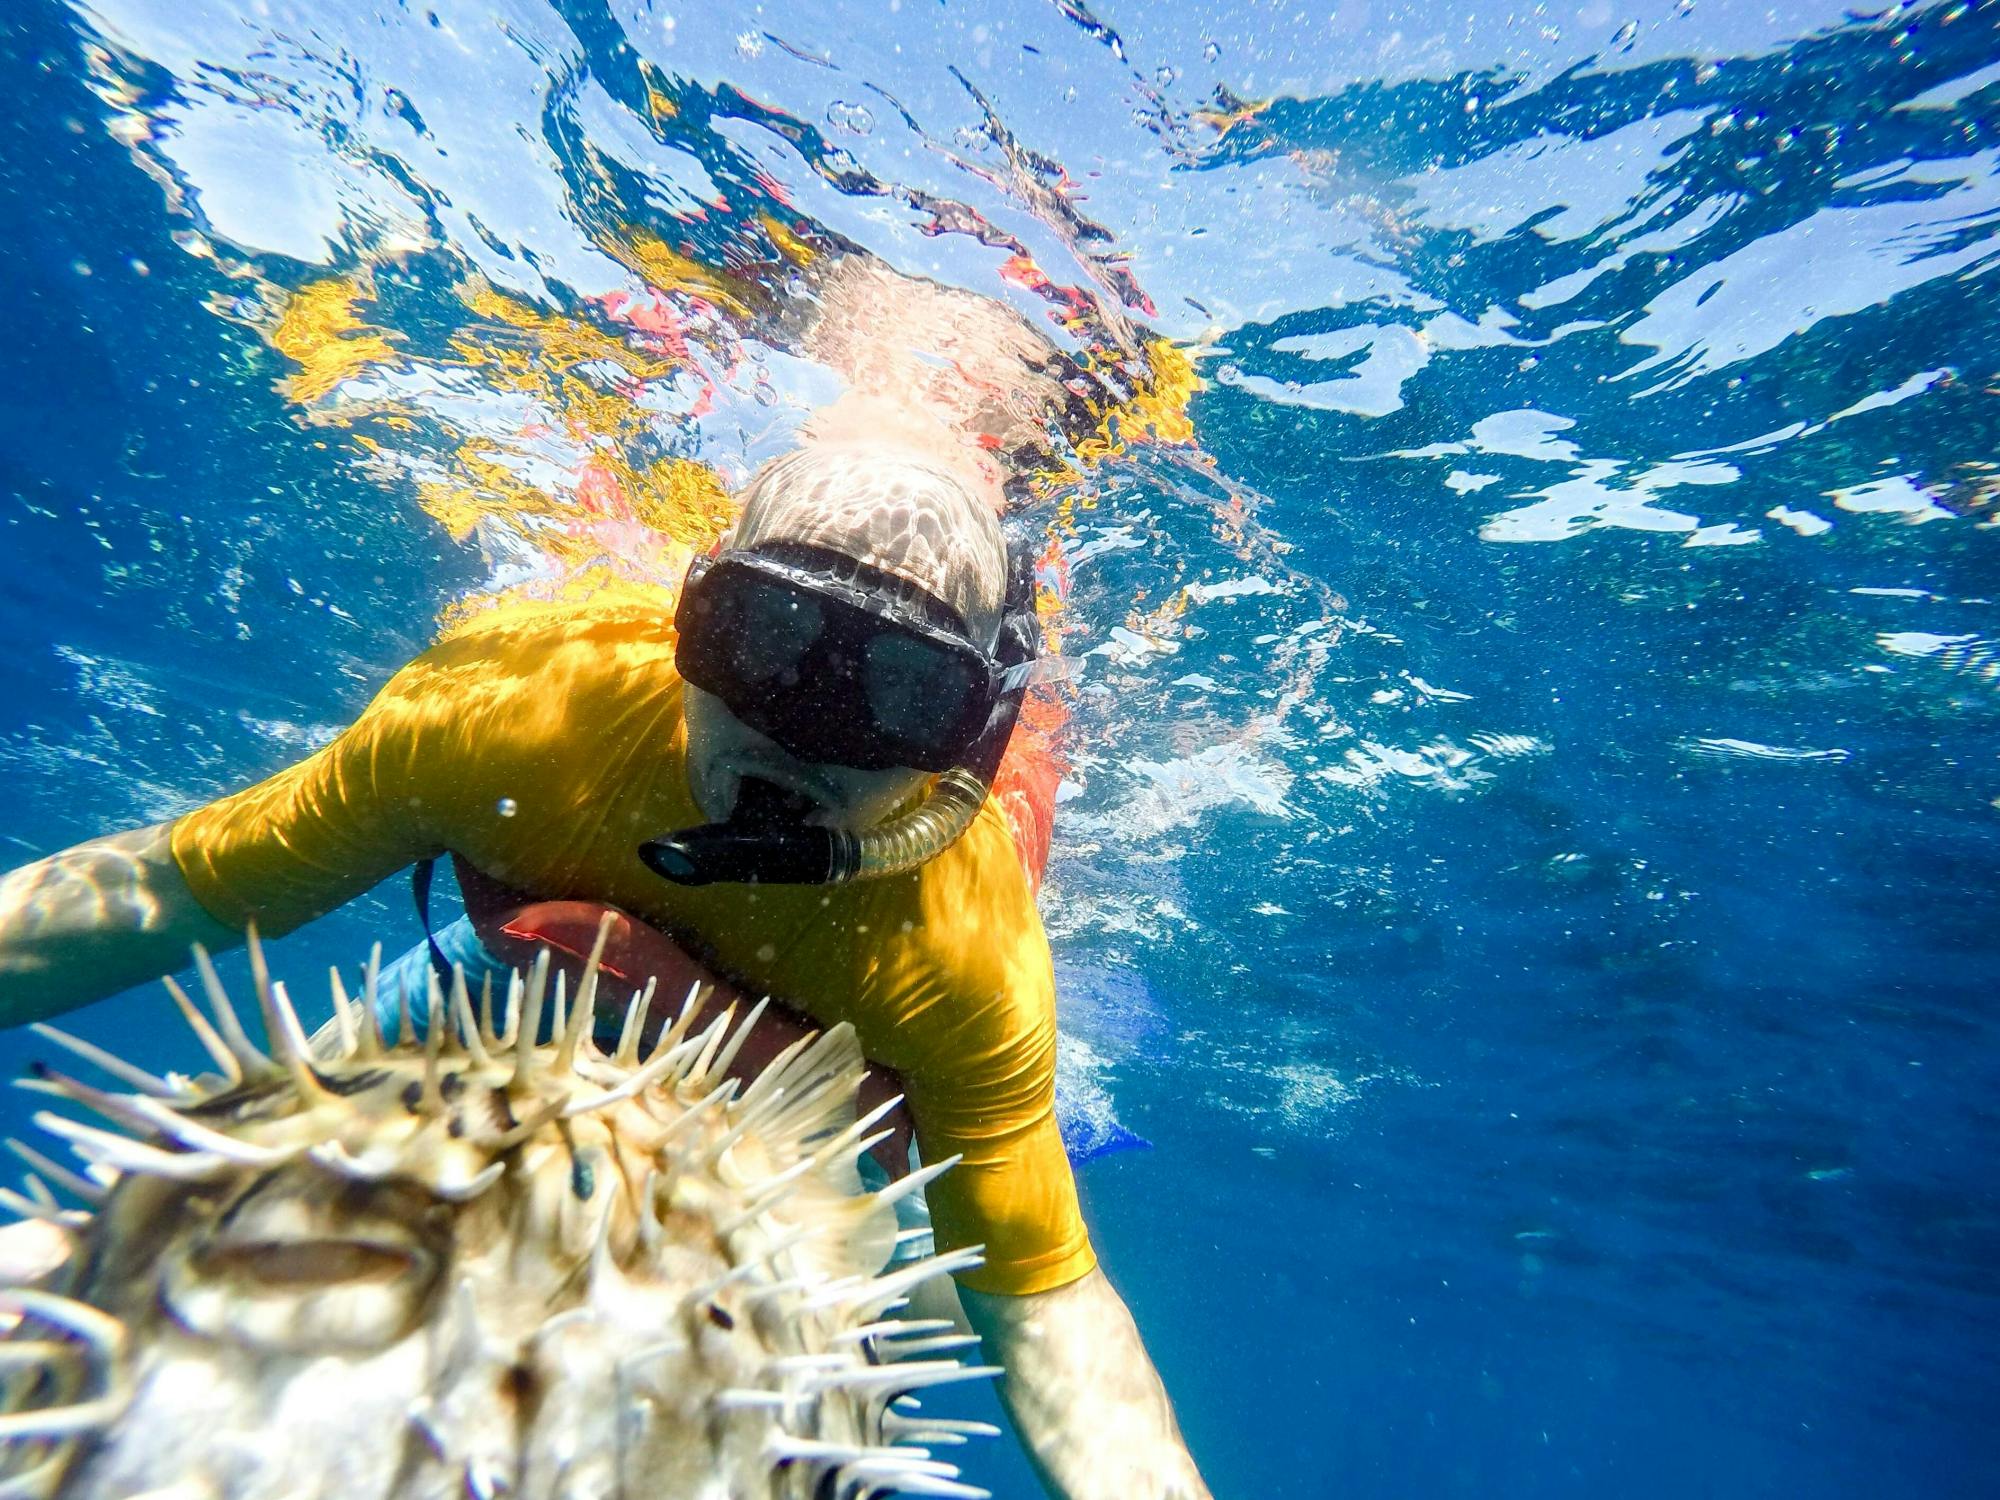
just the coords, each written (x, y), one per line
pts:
(612, 613)
(974, 913)
(524, 679)
(529, 643)
(967, 962)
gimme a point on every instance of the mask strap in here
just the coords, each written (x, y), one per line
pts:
(1024, 675)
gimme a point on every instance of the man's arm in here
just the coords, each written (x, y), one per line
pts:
(93, 920)
(1084, 1398)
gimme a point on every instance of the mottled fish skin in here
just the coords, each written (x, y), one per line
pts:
(486, 1264)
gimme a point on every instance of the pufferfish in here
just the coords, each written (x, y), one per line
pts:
(499, 1261)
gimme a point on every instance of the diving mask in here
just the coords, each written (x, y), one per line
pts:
(815, 623)
(835, 660)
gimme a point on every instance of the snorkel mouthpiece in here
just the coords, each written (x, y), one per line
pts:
(729, 854)
(765, 841)
(750, 852)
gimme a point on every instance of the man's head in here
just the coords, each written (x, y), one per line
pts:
(868, 514)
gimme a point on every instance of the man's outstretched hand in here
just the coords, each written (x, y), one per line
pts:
(1084, 1397)
(96, 919)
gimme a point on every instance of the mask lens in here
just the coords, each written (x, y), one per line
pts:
(915, 690)
(769, 630)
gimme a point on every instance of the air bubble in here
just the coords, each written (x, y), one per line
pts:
(1165, 76)
(506, 807)
(1625, 36)
(1210, 51)
(855, 119)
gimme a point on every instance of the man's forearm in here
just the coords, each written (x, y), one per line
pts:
(1084, 1397)
(93, 920)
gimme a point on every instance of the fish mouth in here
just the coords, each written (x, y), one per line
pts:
(282, 1241)
(299, 1265)
(307, 1263)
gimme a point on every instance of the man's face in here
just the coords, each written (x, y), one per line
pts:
(722, 751)
(888, 507)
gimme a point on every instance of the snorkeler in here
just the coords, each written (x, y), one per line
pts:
(788, 778)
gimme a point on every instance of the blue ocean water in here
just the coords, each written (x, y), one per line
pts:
(1528, 862)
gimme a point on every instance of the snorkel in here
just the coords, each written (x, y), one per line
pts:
(760, 845)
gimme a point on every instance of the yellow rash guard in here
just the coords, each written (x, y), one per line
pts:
(542, 744)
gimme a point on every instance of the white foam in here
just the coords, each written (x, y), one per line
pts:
(1804, 522)
(1232, 588)
(1725, 747)
(1896, 495)
(1920, 642)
